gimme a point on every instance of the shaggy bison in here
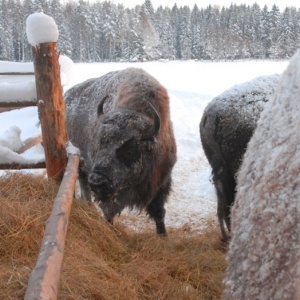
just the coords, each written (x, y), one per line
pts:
(264, 256)
(121, 124)
(226, 127)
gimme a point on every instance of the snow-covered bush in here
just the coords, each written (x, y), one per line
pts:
(264, 253)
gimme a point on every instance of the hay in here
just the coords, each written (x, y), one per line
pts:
(101, 261)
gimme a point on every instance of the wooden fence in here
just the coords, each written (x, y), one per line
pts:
(44, 279)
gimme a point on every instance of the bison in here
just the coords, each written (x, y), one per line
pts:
(263, 257)
(226, 127)
(121, 124)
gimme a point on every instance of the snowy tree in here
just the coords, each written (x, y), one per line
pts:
(147, 6)
(164, 29)
(41, 6)
(256, 49)
(185, 33)
(109, 16)
(197, 33)
(286, 38)
(266, 31)
(81, 34)
(121, 31)
(274, 31)
(148, 33)
(103, 31)
(64, 41)
(18, 27)
(28, 8)
(211, 46)
(6, 31)
(134, 46)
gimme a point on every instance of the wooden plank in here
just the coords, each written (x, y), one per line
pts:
(29, 143)
(51, 108)
(16, 73)
(15, 166)
(18, 104)
(44, 279)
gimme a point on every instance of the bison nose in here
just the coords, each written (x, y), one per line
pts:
(96, 178)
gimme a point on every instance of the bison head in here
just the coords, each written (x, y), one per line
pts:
(125, 147)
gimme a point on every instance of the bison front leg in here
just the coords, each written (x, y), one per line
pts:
(156, 209)
(85, 189)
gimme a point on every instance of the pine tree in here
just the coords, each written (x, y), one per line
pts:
(166, 32)
(41, 6)
(151, 42)
(274, 31)
(18, 28)
(103, 31)
(185, 33)
(197, 33)
(64, 41)
(6, 31)
(175, 22)
(28, 9)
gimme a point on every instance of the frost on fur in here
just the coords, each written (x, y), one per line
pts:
(264, 251)
(226, 127)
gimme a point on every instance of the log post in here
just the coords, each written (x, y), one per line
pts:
(51, 108)
(44, 280)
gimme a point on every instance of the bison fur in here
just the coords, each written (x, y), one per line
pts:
(226, 127)
(121, 124)
(263, 256)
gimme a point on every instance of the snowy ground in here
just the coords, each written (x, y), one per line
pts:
(191, 85)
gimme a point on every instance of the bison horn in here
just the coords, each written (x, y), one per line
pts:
(100, 105)
(153, 131)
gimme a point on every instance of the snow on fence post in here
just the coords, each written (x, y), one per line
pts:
(44, 280)
(42, 34)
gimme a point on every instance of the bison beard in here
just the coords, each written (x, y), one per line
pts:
(121, 124)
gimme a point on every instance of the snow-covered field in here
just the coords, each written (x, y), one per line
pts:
(191, 85)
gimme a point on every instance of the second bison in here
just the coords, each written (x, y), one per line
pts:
(226, 127)
(121, 124)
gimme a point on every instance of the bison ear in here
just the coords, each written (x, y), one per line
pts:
(100, 106)
(153, 131)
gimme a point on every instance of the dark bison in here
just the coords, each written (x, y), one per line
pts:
(226, 127)
(121, 124)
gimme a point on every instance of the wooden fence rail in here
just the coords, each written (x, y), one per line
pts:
(16, 73)
(17, 166)
(8, 106)
(18, 104)
(51, 109)
(44, 280)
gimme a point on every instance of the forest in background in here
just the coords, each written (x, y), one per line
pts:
(104, 31)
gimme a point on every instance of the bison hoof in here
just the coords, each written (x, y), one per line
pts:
(161, 229)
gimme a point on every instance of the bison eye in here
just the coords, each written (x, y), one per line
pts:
(129, 152)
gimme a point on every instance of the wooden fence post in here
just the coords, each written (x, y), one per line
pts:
(51, 108)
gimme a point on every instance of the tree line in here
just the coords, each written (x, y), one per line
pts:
(104, 31)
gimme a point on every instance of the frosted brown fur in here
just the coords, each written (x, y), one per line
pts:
(121, 124)
(264, 256)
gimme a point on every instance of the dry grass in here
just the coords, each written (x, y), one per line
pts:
(102, 262)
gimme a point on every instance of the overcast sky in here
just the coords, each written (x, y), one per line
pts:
(204, 3)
